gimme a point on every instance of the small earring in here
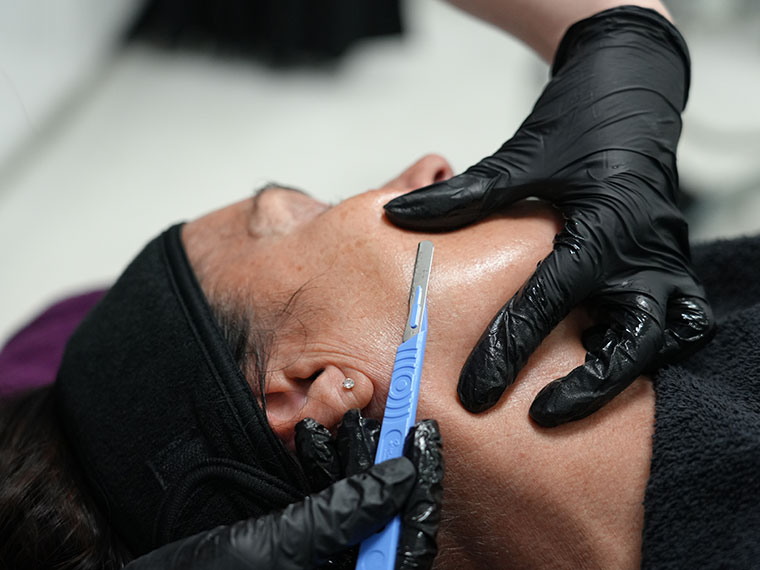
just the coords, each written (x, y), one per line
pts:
(348, 383)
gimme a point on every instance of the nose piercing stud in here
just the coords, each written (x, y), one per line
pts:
(348, 383)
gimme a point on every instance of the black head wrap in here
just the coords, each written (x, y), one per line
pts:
(167, 430)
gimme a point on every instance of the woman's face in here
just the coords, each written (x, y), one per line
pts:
(352, 270)
(341, 276)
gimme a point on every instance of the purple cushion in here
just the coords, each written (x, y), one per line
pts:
(32, 356)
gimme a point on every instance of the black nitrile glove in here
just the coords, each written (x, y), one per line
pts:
(307, 534)
(600, 145)
(325, 459)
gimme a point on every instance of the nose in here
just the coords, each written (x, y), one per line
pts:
(429, 169)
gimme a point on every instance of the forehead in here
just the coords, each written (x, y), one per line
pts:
(207, 238)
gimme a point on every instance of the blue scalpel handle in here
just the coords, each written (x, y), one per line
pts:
(378, 552)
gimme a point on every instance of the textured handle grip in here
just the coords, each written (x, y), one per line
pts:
(378, 552)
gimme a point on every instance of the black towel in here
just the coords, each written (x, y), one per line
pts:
(702, 503)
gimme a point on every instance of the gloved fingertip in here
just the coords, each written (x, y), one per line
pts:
(401, 214)
(349, 428)
(424, 447)
(549, 408)
(316, 452)
(545, 419)
(308, 424)
(690, 326)
(557, 404)
(397, 203)
(356, 441)
(481, 384)
(404, 206)
(352, 417)
(471, 399)
(426, 429)
(442, 206)
(488, 372)
(308, 433)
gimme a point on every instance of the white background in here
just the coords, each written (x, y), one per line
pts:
(101, 148)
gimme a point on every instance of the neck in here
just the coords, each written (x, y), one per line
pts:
(537, 532)
(517, 495)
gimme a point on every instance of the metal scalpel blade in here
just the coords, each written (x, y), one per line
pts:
(418, 292)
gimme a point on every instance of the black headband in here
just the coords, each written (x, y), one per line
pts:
(167, 430)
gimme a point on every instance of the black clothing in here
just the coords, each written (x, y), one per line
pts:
(169, 434)
(702, 504)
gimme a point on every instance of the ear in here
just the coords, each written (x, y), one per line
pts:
(311, 391)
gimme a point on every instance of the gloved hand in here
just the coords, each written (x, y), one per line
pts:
(307, 534)
(326, 460)
(600, 145)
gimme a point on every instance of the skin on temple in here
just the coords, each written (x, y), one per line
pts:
(516, 495)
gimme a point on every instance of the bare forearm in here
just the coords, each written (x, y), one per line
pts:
(542, 23)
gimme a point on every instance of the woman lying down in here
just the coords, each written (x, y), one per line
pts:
(179, 396)
(191, 422)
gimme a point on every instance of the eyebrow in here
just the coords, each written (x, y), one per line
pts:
(272, 186)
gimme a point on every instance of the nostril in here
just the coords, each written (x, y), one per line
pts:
(431, 169)
(441, 168)
(441, 175)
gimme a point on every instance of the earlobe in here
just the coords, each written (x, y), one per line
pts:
(324, 395)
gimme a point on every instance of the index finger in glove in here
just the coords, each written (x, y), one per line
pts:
(301, 536)
(454, 203)
(627, 349)
(558, 283)
(326, 459)
(422, 513)
(357, 442)
(316, 451)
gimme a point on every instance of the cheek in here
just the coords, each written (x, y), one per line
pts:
(360, 274)
(351, 315)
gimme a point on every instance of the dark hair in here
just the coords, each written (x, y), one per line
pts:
(47, 517)
(250, 334)
(249, 346)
